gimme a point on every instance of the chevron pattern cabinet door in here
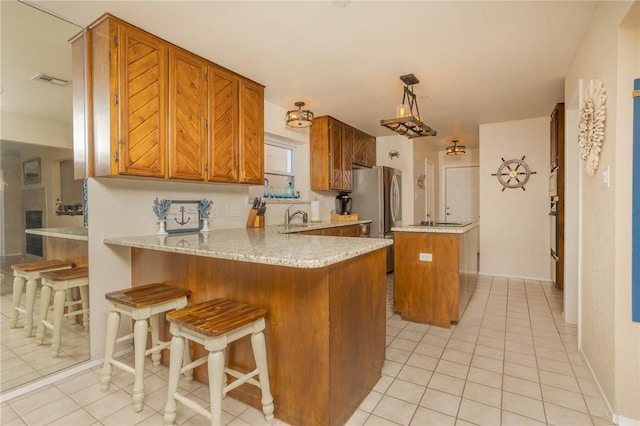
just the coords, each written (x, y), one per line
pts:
(142, 104)
(251, 132)
(187, 116)
(348, 136)
(335, 151)
(223, 127)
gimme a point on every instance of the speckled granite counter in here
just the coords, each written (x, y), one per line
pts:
(436, 229)
(269, 246)
(76, 233)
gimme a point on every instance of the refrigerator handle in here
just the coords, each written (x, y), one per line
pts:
(395, 198)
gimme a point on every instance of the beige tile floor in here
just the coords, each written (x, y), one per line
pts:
(510, 361)
(21, 360)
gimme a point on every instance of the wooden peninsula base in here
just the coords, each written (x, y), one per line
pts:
(325, 331)
(436, 270)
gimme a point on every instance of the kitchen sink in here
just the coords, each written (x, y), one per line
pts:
(297, 225)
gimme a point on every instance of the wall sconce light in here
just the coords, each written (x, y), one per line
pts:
(394, 154)
(299, 118)
(456, 149)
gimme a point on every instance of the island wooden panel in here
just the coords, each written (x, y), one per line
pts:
(427, 292)
(65, 249)
(325, 332)
(435, 292)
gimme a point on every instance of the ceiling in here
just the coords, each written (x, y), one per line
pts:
(477, 61)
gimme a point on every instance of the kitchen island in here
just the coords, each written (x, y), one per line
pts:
(436, 270)
(325, 298)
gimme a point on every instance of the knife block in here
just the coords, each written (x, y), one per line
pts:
(255, 221)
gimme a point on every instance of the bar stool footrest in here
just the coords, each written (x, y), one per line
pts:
(241, 379)
(193, 405)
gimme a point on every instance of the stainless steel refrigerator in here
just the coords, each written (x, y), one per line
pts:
(376, 195)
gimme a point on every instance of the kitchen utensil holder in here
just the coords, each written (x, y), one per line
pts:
(255, 221)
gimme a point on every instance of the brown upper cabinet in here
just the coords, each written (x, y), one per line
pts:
(364, 149)
(335, 146)
(157, 110)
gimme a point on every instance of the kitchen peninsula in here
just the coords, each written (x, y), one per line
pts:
(65, 243)
(436, 270)
(325, 298)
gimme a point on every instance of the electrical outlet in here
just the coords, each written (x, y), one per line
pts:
(235, 210)
(426, 257)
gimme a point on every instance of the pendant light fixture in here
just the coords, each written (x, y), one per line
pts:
(299, 118)
(456, 149)
(408, 122)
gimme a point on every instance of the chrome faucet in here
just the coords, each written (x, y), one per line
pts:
(288, 217)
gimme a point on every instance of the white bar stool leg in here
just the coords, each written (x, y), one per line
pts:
(84, 297)
(140, 330)
(70, 308)
(29, 304)
(18, 288)
(45, 301)
(260, 356)
(186, 360)
(113, 323)
(216, 379)
(154, 321)
(177, 346)
(58, 311)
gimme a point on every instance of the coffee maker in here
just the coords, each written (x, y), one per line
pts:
(343, 203)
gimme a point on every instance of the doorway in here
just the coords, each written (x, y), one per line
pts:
(461, 199)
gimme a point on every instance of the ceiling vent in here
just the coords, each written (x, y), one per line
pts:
(46, 78)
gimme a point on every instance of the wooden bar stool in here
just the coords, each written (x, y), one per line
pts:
(60, 282)
(141, 303)
(215, 324)
(30, 273)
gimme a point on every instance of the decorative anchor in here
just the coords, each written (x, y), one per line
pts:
(182, 222)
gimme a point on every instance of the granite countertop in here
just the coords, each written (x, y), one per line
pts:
(436, 229)
(75, 233)
(269, 245)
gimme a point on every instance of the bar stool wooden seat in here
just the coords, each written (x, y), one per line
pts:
(215, 324)
(60, 282)
(29, 273)
(141, 303)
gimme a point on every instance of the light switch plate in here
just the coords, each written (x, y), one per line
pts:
(426, 257)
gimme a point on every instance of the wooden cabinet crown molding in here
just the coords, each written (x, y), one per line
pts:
(157, 110)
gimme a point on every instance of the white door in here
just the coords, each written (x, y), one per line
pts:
(462, 201)
(429, 188)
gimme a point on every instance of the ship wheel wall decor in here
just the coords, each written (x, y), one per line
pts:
(513, 173)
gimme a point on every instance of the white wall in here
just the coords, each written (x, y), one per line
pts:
(514, 224)
(610, 341)
(35, 130)
(424, 148)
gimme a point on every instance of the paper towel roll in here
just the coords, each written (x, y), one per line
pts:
(315, 211)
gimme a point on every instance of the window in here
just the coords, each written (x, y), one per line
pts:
(279, 169)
